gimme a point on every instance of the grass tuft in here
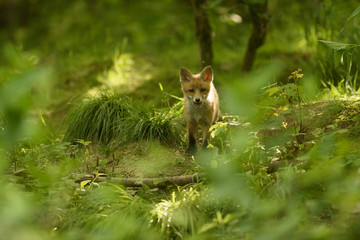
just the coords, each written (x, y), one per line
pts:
(95, 118)
(112, 118)
(151, 124)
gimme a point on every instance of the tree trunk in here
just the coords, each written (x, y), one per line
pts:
(259, 18)
(203, 31)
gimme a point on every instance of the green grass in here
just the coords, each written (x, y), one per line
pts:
(123, 120)
(95, 119)
(149, 124)
(313, 195)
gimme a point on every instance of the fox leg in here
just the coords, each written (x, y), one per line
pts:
(193, 138)
(205, 136)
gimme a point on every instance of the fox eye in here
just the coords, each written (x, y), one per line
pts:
(202, 90)
(191, 90)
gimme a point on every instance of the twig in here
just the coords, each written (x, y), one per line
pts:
(150, 182)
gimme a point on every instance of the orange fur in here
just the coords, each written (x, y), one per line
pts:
(201, 105)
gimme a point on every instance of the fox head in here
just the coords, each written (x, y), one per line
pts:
(196, 87)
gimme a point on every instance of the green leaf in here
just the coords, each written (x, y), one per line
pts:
(161, 87)
(272, 90)
(217, 128)
(354, 14)
(219, 217)
(337, 45)
(84, 183)
(228, 218)
(207, 227)
(42, 119)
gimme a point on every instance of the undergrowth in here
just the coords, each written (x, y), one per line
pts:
(150, 124)
(308, 197)
(95, 118)
(120, 121)
(313, 194)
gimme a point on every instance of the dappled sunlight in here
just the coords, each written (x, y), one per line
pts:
(121, 72)
(150, 159)
(283, 162)
(125, 75)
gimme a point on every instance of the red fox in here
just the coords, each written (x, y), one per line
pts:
(201, 105)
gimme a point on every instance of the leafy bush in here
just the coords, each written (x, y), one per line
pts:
(178, 216)
(340, 66)
(106, 211)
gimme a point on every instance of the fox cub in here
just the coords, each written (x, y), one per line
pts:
(201, 105)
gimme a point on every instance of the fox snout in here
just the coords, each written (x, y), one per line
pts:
(197, 102)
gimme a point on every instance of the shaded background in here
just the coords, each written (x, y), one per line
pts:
(134, 45)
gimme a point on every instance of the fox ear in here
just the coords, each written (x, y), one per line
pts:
(185, 75)
(207, 74)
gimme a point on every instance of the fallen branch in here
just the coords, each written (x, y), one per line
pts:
(150, 182)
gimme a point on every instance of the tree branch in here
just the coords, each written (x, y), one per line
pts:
(150, 182)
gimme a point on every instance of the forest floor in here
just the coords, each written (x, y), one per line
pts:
(153, 159)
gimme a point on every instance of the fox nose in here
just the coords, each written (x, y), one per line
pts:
(197, 100)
